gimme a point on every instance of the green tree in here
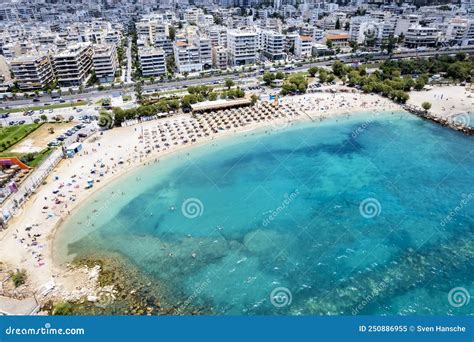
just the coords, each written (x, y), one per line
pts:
(229, 83)
(354, 46)
(426, 106)
(212, 96)
(312, 71)
(139, 90)
(323, 76)
(339, 68)
(268, 78)
(279, 75)
(254, 99)
(171, 33)
(419, 83)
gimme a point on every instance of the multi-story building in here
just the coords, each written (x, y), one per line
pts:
(337, 39)
(303, 46)
(219, 57)
(163, 42)
(421, 36)
(468, 38)
(205, 51)
(273, 45)
(32, 72)
(242, 47)
(73, 64)
(187, 57)
(105, 62)
(152, 62)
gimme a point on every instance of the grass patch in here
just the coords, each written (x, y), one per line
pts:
(371, 65)
(39, 107)
(32, 159)
(9, 136)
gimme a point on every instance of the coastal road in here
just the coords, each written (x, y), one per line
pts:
(166, 85)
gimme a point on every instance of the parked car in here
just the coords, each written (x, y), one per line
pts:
(53, 143)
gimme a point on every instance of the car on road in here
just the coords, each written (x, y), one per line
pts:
(36, 99)
(11, 123)
(4, 115)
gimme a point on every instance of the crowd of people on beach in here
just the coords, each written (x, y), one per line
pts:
(108, 154)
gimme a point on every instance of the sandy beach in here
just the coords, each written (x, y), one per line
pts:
(28, 241)
(445, 101)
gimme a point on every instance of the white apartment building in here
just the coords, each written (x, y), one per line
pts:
(242, 47)
(421, 36)
(72, 65)
(404, 23)
(273, 45)
(468, 38)
(163, 42)
(32, 72)
(218, 36)
(219, 57)
(303, 46)
(152, 62)
(105, 62)
(187, 57)
(191, 15)
(456, 30)
(205, 51)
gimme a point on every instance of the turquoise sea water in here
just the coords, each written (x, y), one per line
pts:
(359, 215)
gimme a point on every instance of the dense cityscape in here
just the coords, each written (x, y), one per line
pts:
(51, 45)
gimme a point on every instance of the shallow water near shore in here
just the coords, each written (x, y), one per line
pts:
(225, 225)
